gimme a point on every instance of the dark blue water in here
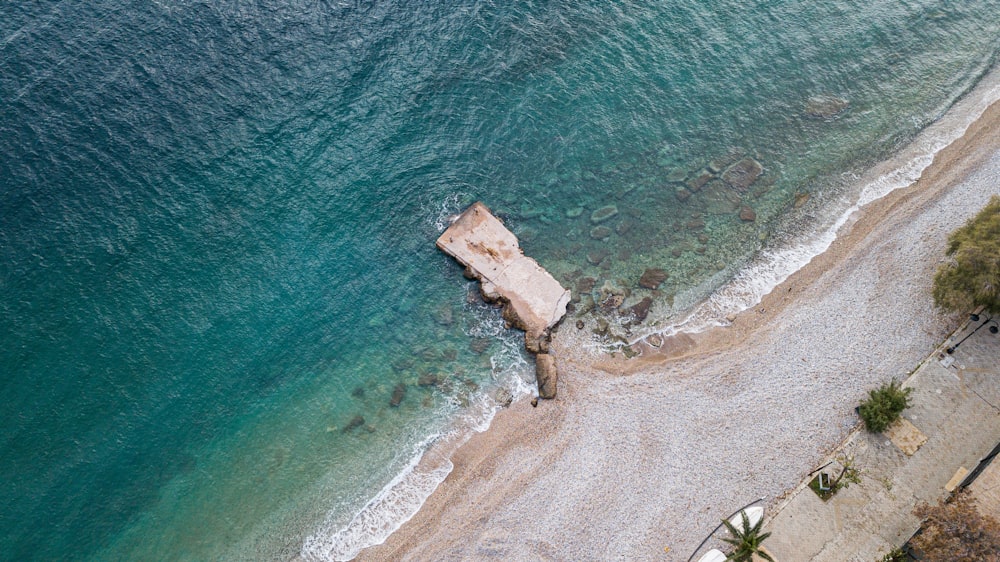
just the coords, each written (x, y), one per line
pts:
(217, 223)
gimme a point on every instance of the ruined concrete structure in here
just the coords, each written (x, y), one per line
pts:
(533, 300)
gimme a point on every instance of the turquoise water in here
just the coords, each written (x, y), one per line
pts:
(217, 224)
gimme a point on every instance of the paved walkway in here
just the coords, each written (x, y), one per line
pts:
(953, 422)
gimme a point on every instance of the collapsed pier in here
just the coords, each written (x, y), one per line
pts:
(532, 300)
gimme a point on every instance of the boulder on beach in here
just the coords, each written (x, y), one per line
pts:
(546, 375)
(536, 344)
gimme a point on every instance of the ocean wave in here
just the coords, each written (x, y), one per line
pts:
(399, 500)
(430, 463)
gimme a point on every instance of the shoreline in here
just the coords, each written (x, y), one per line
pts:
(497, 500)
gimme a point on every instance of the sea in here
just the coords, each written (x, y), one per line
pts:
(225, 330)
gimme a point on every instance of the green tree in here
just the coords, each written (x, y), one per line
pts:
(971, 278)
(884, 405)
(746, 540)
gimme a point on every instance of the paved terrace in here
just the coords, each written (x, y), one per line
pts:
(953, 422)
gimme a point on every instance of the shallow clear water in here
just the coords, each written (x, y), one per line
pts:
(217, 224)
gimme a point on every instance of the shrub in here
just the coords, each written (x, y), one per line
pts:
(971, 278)
(895, 555)
(884, 406)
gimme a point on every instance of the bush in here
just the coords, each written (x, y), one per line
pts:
(895, 555)
(884, 406)
(972, 277)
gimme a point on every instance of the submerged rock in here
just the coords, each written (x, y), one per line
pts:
(603, 214)
(652, 278)
(719, 199)
(641, 308)
(356, 422)
(600, 232)
(427, 379)
(398, 394)
(695, 224)
(677, 175)
(574, 212)
(696, 183)
(444, 315)
(742, 174)
(597, 256)
(825, 106)
(747, 214)
(479, 345)
(503, 397)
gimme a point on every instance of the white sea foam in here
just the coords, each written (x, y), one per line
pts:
(430, 462)
(771, 266)
(401, 498)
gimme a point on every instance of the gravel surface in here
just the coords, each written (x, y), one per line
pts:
(640, 460)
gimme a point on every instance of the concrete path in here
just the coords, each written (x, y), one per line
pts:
(953, 422)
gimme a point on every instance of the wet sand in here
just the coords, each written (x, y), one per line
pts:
(640, 459)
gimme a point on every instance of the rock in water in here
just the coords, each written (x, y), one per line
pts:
(546, 375)
(503, 397)
(652, 278)
(356, 422)
(427, 379)
(825, 107)
(600, 232)
(641, 308)
(696, 183)
(741, 175)
(747, 214)
(398, 393)
(603, 214)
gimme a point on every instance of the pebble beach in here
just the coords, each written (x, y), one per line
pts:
(639, 459)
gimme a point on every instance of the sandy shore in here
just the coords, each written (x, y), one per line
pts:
(634, 458)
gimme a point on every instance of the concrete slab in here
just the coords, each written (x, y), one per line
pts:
(960, 475)
(906, 436)
(478, 240)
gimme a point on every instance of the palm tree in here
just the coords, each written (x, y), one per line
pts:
(747, 541)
